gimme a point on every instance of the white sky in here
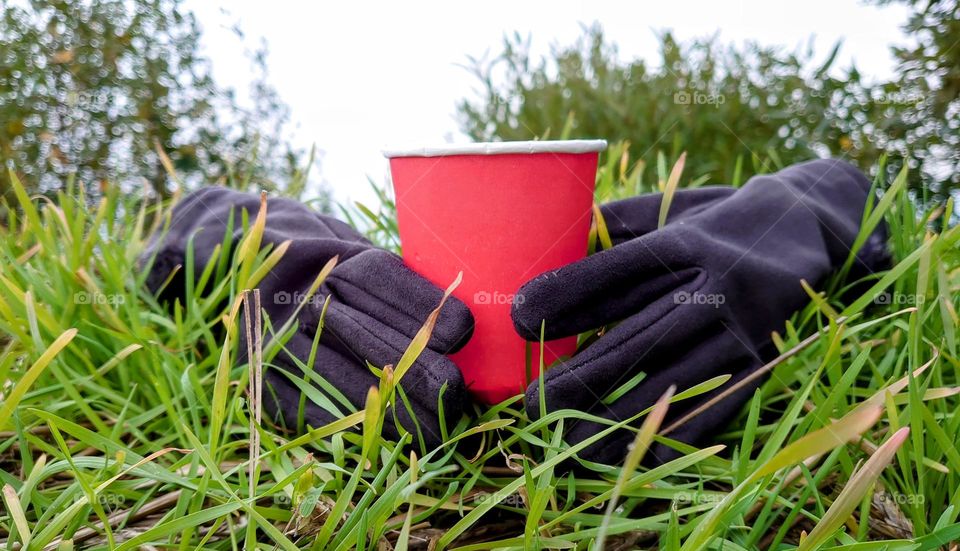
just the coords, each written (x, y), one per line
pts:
(362, 75)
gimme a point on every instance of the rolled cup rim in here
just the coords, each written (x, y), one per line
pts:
(499, 148)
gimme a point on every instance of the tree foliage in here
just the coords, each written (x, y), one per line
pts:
(738, 111)
(93, 87)
(930, 69)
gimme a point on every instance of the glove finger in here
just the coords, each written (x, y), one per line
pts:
(659, 342)
(210, 209)
(346, 371)
(432, 382)
(700, 429)
(605, 287)
(211, 206)
(711, 422)
(630, 218)
(341, 371)
(380, 285)
(204, 217)
(282, 398)
(722, 354)
(287, 283)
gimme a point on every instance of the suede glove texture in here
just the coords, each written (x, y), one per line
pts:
(376, 308)
(695, 299)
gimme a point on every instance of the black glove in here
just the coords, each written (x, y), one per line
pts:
(377, 307)
(696, 299)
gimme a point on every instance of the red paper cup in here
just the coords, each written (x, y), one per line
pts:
(501, 213)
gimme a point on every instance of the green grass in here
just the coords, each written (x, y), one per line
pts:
(123, 426)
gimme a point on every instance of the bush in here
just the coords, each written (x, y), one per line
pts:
(738, 111)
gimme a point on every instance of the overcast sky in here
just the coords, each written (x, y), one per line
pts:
(359, 76)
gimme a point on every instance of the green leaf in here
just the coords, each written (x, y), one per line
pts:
(853, 491)
(11, 400)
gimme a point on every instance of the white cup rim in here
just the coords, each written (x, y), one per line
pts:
(500, 148)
